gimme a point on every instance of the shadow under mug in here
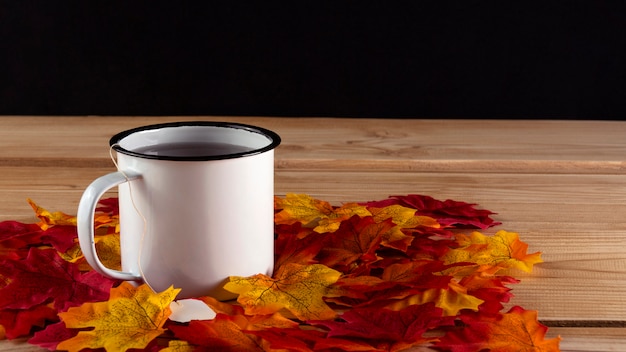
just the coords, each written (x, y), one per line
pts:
(196, 205)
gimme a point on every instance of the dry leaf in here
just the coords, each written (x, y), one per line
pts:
(492, 253)
(517, 330)
(48, 219)
(298, 288)
(131, 318)
(313, 213)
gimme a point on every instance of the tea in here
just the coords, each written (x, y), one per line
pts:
(193, 149)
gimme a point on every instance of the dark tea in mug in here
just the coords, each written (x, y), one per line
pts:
(192, 149)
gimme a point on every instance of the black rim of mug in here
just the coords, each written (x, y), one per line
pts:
(270, 135)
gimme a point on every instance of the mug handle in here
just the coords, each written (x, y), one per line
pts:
(85, 222)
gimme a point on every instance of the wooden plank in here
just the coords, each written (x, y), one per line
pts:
(19, 345)
(314, 143)
(590, 339)
(556, 201)
(55, 188)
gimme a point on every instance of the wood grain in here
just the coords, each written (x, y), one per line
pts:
(560, 184)
(425, 145)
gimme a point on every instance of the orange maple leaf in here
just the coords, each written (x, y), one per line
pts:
(255, 322)
(229, 330)
(47, 218)
(298, 288)
(288, 248)
(223, 333)
(517, 330)
(491, 253)
(313, 213)
(131, 318)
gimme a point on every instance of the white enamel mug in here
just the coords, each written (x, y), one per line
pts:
(196, 205)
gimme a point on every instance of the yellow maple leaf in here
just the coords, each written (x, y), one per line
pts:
(73, 255)
(106, 220)
(313, 213)
(404, 218)
(451, 300)
(492, 253)
(298, 288)
(47, 218)
(179, 346)
(108, 248)
(131, 318)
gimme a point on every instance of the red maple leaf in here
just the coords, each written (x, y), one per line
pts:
(60, 237)
(424, 274)
(401, 329)
(354, 291)
(109, 206)
(223, 333)
(357, 239)
(52, 335)
(492, 290)
(20, 322)
(14, 229)
(44, 276)
(290, 247)
(397, 281)
(294, 339)
(16, 237)
(429, 246)
(306, 340)
(448, 212)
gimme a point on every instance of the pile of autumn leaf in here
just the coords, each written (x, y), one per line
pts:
(387, 275)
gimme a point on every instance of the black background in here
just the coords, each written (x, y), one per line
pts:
(424, 59)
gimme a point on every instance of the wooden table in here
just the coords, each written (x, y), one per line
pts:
(560, 184)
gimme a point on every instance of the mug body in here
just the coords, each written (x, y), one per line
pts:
(194, 218)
